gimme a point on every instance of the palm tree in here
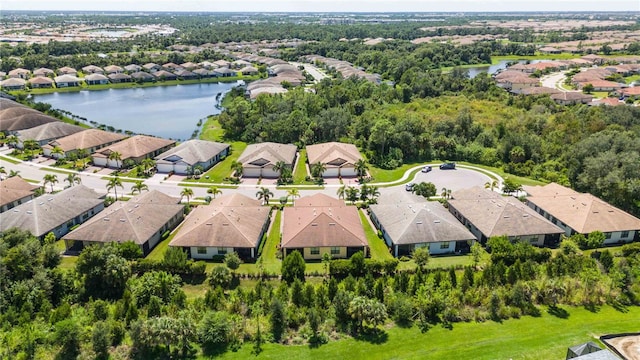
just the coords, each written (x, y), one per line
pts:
(318, 169)
(13, 173)
(12, 140)
(82, 154)
(2, 170)
(364, 192)
(186, 192)
(73, 179)
(147, 164)
(294, 193)
(446, 193)
(115, 156)
(138, 187)
(264, 194)
(491, 184)
(197, 171)
(57, 150)
(236, 166)
(341, 191)
(279, 167)
(114, 183)
(351, 194)
(50, 179)
(214, 191)
(361, 168)
(374, 192)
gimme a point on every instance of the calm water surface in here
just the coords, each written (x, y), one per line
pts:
(492, 69)
(165, 111)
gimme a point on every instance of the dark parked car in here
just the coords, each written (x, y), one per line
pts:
(448, 166)
(426, 169)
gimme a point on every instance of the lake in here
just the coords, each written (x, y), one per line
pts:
(165, 111)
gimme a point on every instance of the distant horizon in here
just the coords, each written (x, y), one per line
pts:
(329, 6)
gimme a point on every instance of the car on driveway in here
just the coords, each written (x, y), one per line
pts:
(426, 169)
(448, 166)
(409, 187)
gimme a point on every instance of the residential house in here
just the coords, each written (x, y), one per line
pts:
(191, 154)
(96, 79)
(248, 71)
(549, 50)
(47, 132)
(13, 119)
(230, 223)
(15, 191)
(239, 64)
(119, 78)
(66, 81)
(487, 214)
(207, 65)
(143, 219)
(589, 351)
(594, 59)
(189, 66)
(134, 148)
(151, 67)
(204, 73)
(19, 73)
(92, 69)
(580, 213)
(43, 72)
(318, 225)
(65, 70)
(131, 68)
(601, 85)
(183, 74)
(40, 82)
(631, 92)
(90, 140)
(113, 69)
(517, 83)
(163, 75)
(406, 226)
(224, 72)
(13, 84)
(538, 90)
(258, 160)
(571, 98)
(607, 102)
(222, 63)
(171, 67)
(338, 158)
(56, 213)
(142, 76)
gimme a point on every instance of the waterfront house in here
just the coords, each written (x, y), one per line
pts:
(135, 148)
(90, 140)
(15, 191)
(191, 154)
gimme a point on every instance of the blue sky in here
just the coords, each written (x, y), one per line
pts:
(324, 5)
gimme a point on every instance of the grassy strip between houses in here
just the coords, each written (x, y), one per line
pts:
(300, 172)
(378, 248)
(223, 169)
(268, 258)
(544, 337)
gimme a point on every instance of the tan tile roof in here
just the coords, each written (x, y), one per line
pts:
(40, 80)
(85, 140)
(236, 200)
(216, 225)
(258, 155)
(318, 200)
(496, 215)
(571, 96)
(582, 212)
(15, 188)
(135, 220)
(136, 146)
(333, 154)
(307, 226)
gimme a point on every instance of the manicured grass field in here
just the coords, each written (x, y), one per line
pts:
(300, 172)
(520, 179)
(211, 130)
(563, 56)
(377, 245)
(545, 337)
(223, 169)
(382, 175)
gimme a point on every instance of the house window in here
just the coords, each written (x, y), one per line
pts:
(607, 235)
(624, 235)
(222, 251)
(335, 250)
(315, 251)
(444, 245)
(202, 250)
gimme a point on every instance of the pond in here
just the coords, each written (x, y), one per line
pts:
(170, 112)
(492, 69)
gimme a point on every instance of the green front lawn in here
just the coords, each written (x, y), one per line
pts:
(300, 172)
(544, 337)
(268, 258)
(522, 180)
(381, 175)
(223, 169)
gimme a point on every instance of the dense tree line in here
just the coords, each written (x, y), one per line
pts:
(101, 304)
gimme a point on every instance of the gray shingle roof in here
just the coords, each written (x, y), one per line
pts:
(45, 213)
(49, 131)
(192, 152)
(268, 153)
(420, 222)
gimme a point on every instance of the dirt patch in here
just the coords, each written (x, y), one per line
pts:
(628, 346)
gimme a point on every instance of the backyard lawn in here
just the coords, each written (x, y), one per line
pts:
(223, 169)
(377, 245)
(544, 337)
